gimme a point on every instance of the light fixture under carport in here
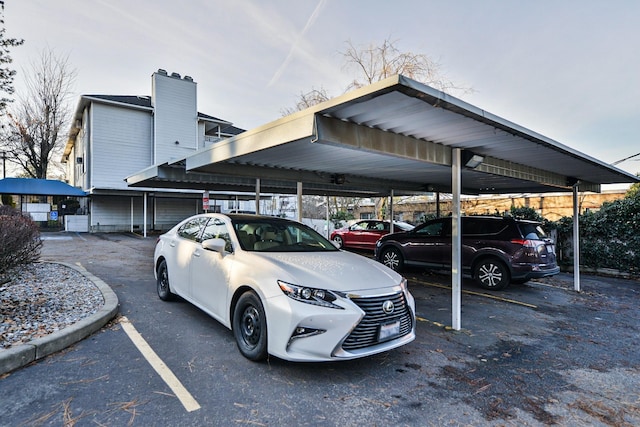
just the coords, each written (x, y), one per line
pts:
(471, 160)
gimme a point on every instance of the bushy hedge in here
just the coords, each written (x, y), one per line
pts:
(19, 239)
(609, 237)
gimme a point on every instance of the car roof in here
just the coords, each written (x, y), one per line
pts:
(254, 217)
(493, 218)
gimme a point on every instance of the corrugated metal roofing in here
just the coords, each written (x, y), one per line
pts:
(397, 135)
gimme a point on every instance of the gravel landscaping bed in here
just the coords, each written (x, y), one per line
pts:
(43, 298)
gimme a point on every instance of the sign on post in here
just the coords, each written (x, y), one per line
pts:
(205, 201)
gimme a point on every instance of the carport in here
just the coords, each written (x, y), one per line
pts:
(394, 137)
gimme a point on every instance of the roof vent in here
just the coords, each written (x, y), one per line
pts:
(161, 71)
(188, 78)
(176, 75)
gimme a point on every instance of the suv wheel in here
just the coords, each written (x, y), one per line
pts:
(491, 274)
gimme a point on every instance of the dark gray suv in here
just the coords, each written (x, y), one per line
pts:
(496, 251)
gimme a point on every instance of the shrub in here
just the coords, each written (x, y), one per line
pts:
(339, 217)
(609, 238)
(19, 239)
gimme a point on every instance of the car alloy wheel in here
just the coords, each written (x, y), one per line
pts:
(392, 258)
(492, 274)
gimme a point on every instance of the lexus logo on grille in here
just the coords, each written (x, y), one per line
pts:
(387, 306)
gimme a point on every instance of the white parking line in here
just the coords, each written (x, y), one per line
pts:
(189, 403)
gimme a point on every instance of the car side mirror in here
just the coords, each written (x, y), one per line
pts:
(216, 245)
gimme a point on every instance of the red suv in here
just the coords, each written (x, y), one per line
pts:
(496, 251)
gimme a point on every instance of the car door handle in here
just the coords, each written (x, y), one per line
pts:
(196, 253)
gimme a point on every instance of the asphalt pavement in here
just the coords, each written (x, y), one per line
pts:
(534, 354)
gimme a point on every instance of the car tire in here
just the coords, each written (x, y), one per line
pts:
(162, 283)
(339, 242)
(250, 327)
(392, 258)
(491, 274)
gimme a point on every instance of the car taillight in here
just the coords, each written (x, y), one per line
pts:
(524, 242)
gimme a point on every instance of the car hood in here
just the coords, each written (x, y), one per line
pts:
(340, 270)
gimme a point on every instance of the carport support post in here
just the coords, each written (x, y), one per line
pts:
(456, 239)
(144, 215)
(131, 225)
(391, 212)
(299, 201)
(257, 196)
(576, 240)
(327, 217)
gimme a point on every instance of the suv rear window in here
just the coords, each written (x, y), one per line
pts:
(531, 231)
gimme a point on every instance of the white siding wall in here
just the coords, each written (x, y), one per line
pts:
(200, 135)
(121, 145)
(176, 117)
(77, 172)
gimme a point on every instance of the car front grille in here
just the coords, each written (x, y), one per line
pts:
(367, 331)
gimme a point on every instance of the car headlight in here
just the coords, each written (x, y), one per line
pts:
(404, 285)
(321, 297)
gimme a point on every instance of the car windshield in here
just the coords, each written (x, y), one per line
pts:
(273, 235)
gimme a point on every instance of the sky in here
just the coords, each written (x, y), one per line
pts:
(566, 69)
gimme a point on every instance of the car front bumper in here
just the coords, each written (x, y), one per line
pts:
(304, 332)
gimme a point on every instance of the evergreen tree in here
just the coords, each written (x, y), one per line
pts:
(6, 72)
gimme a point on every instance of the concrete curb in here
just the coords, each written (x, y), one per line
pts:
(21, 355)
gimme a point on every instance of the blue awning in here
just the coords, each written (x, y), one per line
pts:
(38, 187)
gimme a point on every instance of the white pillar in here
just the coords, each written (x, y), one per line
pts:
(131, 222)
(257, 196)
(144, 215)
(391, 212)
(456, 240)
(328, 217)
(299, 201)
(576, 240)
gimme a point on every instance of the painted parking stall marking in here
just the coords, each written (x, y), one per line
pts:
(187, 400)
(480, 294)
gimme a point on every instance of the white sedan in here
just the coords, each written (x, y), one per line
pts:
(283, 289)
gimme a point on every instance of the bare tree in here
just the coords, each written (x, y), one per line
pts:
(6, 73)
(306, 100)
(371, 64)
(374, 63)
(37, 122)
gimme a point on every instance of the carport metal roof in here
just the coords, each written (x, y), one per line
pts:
(395, 135)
